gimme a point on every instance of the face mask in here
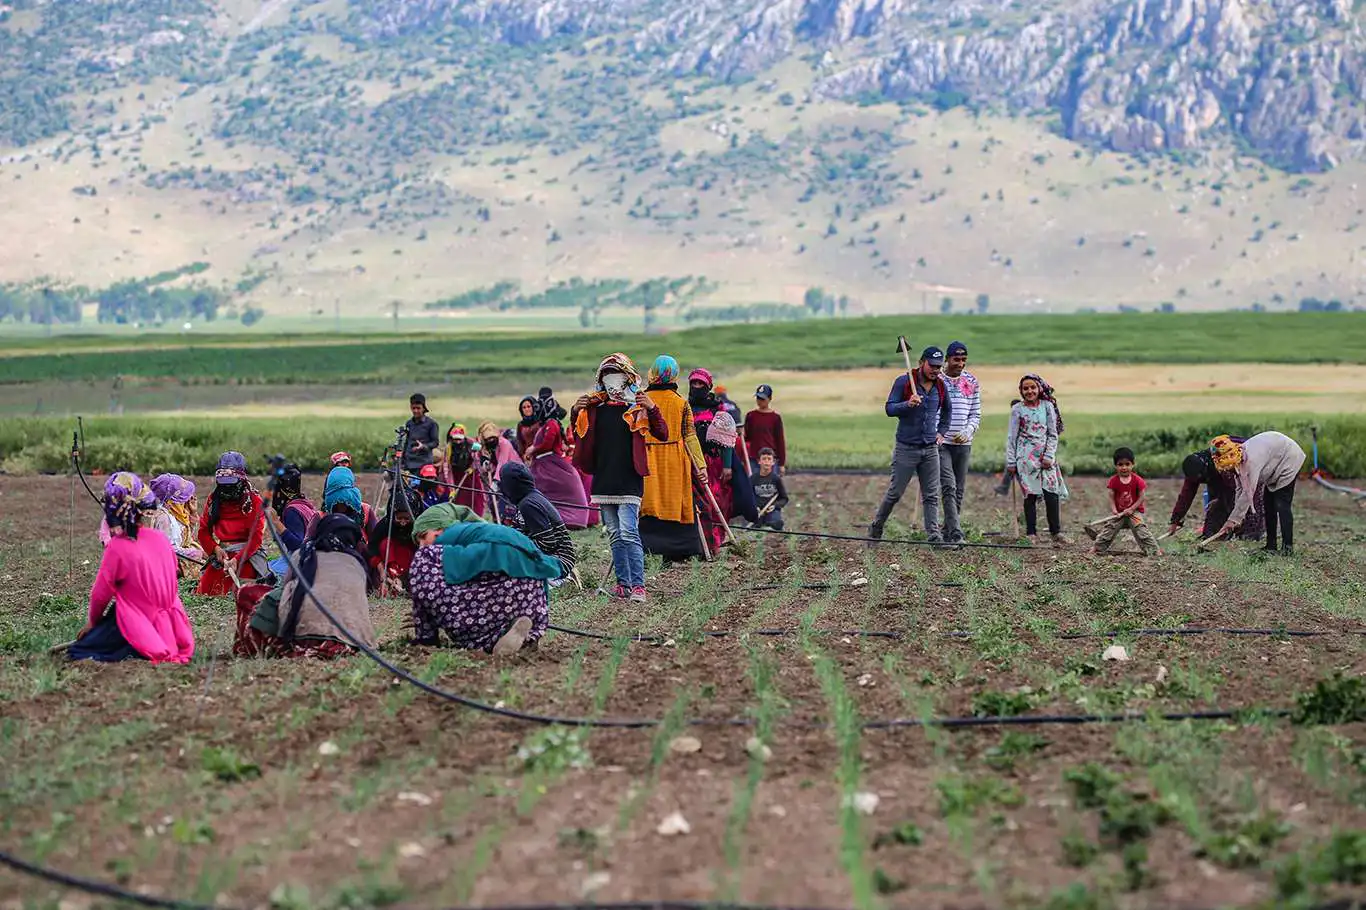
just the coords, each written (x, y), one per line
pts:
(698, 397)
(230, 492)
(618, 386)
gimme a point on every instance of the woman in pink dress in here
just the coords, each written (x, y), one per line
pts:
(135, 608)
(555, 475)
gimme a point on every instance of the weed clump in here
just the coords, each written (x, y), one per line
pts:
(1339, 700)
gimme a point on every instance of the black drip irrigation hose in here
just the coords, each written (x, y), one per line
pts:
(650, 722)
(643, 638)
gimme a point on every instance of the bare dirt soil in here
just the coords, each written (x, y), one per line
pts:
(207, 782)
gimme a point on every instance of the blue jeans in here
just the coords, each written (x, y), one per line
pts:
(628, 554)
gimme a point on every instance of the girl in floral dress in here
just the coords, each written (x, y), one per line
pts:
(1032, 455)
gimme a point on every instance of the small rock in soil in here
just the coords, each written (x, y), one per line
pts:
(756, 749)
(595, 882)
(686, 744)
(328, 747)
(895, 567)
(866, 680)
(864, 803)
(858, 582)
(412, 850)
(1161, 674)
(674, 823)
(411, 796)
(777, 812)
(1115, 652)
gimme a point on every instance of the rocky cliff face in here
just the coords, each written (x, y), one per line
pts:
(1284, 79)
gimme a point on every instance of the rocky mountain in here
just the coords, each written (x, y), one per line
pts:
(1281, 79)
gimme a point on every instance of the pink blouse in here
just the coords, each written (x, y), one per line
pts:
(140, 577)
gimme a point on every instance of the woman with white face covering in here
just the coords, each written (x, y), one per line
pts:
(611, 426)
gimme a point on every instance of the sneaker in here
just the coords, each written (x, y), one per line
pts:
(513, 638)
(638, 594)
(620, 592)
(1059, 541)
(958, 537)
(935, 540)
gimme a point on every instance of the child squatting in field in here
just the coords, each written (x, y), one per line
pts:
(1128, 495)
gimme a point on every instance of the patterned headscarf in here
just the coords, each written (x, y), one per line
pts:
(1227, 453)
(617, 363)
(636, 417)
(701, 375)
(126, 497)
(1045, 394)
(341, 488)
(232, 468)
(172, 488)
(441, 516)
(723, 431)
(664, 370)
(488, 430)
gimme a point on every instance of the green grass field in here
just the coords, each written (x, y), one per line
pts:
(811, 344)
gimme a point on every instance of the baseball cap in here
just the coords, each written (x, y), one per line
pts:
(764, 391)
(427, 471)
(957, 347)
(933, 355)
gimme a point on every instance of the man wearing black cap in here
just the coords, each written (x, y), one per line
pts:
(965, 406)
(424, 435)
(919, 401)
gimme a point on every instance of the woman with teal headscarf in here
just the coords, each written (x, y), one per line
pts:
(483, 583)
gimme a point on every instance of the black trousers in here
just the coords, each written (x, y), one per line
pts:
(1052, 507)
(1276, 508)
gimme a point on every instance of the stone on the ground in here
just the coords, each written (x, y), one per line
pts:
(685, 744)
(864, 802)
(674, 824)
(756, 749)
(328, 747)
(1115, 652)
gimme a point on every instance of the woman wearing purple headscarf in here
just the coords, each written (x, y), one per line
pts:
(177, 516)
(232, 528)
(147, 619)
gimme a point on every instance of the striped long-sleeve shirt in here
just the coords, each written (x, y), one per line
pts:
(965, 406)
(555, 541)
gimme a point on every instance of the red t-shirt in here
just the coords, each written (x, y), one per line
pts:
(764, 430)
(1126, 494)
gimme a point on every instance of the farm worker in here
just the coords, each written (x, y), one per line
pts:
(1221, 488)
(368, 517)
(428, 491)
(1128, 503)
(668, 516)
(342, 496)
(460, 469)
(554, 472)
(919, 401)
(498, 449)
(540, 520)
(612, 425)
(1032, 455)
(528, 424)
(764, 429)
(1271, 462)
(177, 516)
(137, 578)
(484, 584)
(965, 416)
(717, 433)
(290, 511)
(731, 408)
(424, 435)
(392, 547)
(285, 622)
(769, 492)
(232, 528)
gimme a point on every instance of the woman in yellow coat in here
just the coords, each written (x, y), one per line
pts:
(668, 518)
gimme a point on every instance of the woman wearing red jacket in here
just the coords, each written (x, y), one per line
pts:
(232, 527)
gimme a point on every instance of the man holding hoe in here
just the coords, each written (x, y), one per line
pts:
(919, 400)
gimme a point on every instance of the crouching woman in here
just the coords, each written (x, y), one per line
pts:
(286, 622)
(484, 584)
(147, 619)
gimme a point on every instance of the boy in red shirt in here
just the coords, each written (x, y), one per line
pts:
(1127, 505)
(763, 429)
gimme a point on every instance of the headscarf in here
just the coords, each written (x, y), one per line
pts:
(550, 409)
(174, 493)
(535, 416)
(488, 430)
(333, 534)
(231, 472)
(539, 513)
(1198, 465)
(1228, 454)
(701, 398)
(459, 449)
(341, 459)
(664, 370)
(441, 516)
(1045, 394)
(126, 497)
(288, 487)
(341, 489)
(635, 415)
(722, 431)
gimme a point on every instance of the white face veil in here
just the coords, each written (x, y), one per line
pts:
(617, 386)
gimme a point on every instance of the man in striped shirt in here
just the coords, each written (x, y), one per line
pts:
(965, 415)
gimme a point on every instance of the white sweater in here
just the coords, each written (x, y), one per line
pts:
(1271, 460)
